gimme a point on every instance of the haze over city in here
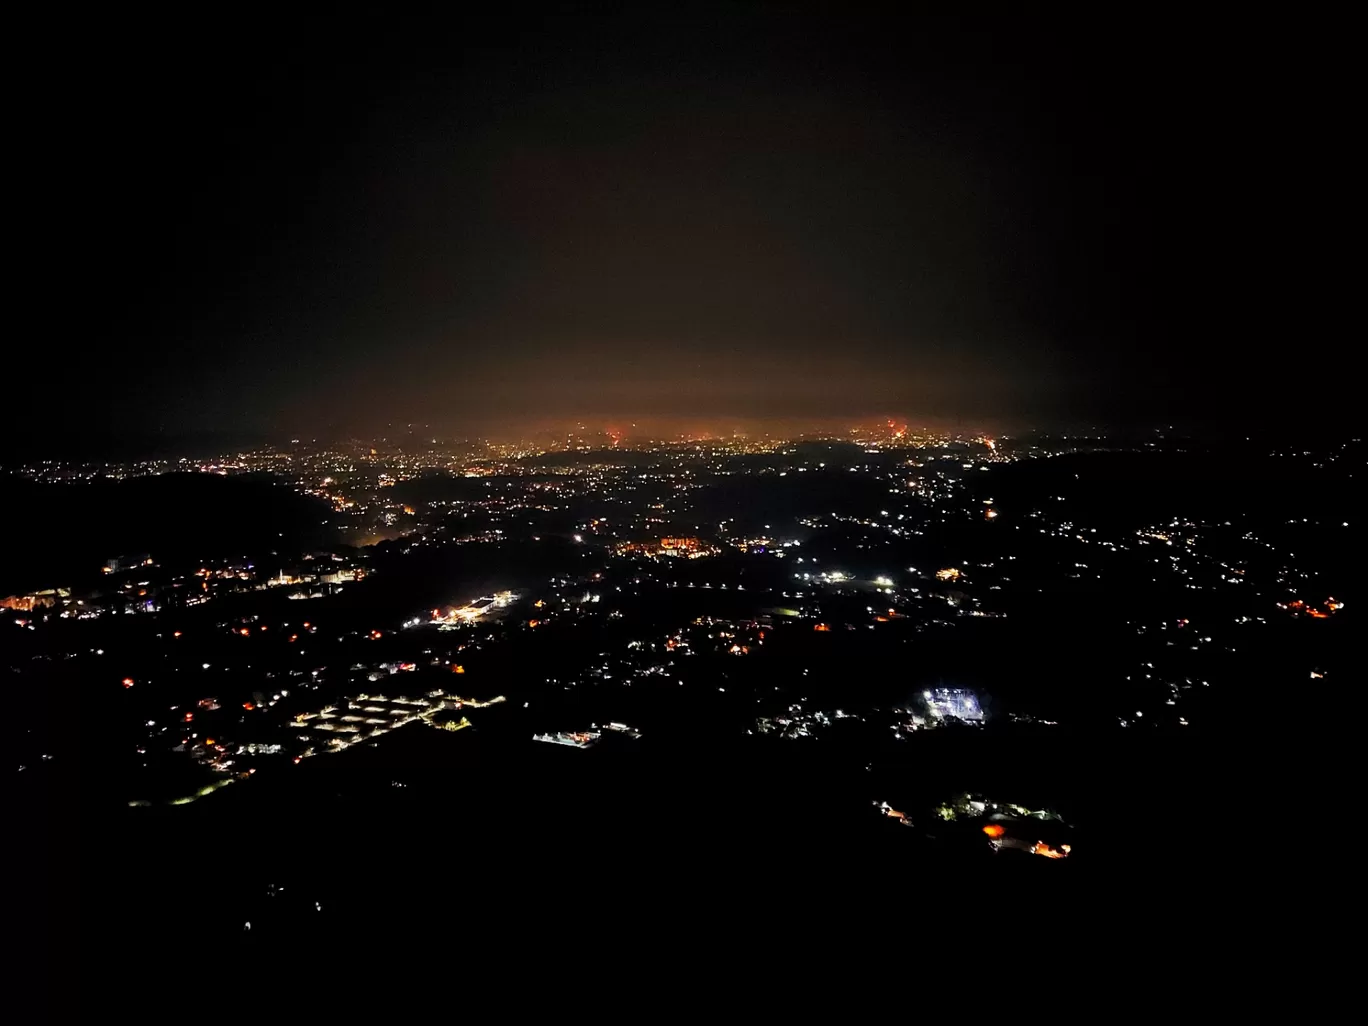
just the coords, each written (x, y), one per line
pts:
(731, 215)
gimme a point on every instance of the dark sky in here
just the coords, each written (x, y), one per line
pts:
(699, 214)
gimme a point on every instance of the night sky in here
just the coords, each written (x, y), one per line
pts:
(701, 216)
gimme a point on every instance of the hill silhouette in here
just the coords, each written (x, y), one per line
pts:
(62, 533)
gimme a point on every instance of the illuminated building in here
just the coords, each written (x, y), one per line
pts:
(960, 703)
(35, 600)
(690, 548)
(574, 739)
(475, 610)
(113, 566)
(677, 545)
